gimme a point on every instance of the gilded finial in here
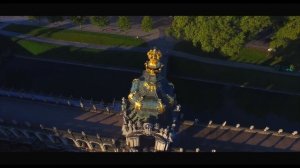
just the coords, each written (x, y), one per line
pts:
(153, 65)
(154, 54)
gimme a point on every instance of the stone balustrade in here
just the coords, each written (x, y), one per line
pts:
(85, 104)
(252, 129)
(55, 138)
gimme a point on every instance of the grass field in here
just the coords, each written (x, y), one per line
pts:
(251, 55)
(83, 55)
(76, 36)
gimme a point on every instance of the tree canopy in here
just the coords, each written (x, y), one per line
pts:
(252, 25)
(124, 23)
(288, 32)
(100, 21)
(147, 23)
(79, 20)
(224, 34)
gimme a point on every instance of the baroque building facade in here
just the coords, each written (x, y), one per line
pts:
(150, 114)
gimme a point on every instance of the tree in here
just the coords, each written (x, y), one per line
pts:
(100, 21)
(147, 23)
(252, 25)
(213, 33)
(124, 23)
(53, 19)
(224, 34)
(233, 47)
(79, 20)
(178, 25)
(288, 32)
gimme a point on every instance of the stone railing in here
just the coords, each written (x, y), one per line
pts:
(86, 105)
(252, 129)
(228, 137)
(53, 138)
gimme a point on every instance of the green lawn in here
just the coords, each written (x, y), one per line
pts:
(77, 36)
(82, 55)
(251, 55)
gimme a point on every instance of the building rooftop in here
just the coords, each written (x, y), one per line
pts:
(60, 116)
(230, 138)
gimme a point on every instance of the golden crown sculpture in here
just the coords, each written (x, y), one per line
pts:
(153, 66)
(154, 54)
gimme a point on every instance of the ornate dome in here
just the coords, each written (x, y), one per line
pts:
(151, 95)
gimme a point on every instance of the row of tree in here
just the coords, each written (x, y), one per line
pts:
(228, 34)
(100, 21)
